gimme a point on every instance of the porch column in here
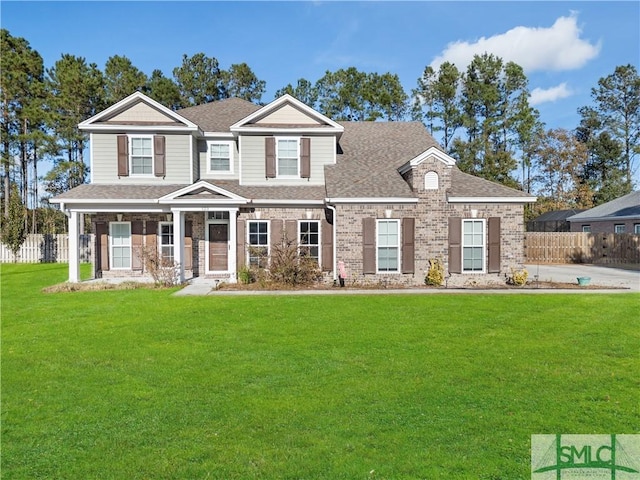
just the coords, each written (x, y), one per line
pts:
(178, 241)
(233, 235)
(74, 247)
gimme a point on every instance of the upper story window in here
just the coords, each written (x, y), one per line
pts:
(141, 155)
(287, 155)
(220, 157)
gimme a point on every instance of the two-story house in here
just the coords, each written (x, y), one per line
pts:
(211, 185)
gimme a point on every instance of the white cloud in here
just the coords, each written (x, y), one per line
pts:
(544, 95)
(558, 47)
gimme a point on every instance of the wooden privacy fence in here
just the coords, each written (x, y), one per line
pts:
(44, 248)
(578, 247)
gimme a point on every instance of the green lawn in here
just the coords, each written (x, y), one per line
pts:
(138, 384)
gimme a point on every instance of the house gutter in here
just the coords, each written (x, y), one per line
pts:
(335, 244)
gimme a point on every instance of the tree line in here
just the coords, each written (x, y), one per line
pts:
(481, 116)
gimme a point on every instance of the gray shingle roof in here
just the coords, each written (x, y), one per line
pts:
(626, 206)
(219, 116)
(118, 192)
(301, 192)
(465, 185)
(369, 156)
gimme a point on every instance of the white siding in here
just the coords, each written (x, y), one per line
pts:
(288, 115)
(141, 112)
(253, 161)
(104, 163)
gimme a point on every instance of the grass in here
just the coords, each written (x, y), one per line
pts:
(138, 384)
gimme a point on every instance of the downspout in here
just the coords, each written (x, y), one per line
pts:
(335, 244)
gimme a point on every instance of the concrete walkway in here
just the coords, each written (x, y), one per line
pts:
(619, 281)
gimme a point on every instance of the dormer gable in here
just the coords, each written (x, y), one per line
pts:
(433, 153)
(137, 112)
(287, 115)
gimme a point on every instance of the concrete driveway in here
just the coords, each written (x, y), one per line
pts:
(600, 276)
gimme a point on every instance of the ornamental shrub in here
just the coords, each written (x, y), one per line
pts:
(435, 275)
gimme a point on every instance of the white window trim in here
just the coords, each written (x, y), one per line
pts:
(484, 246)
(399, 246)
(130, 137)
(615, 228)
(111, 267)
(231, 157)
(297, 140)
(319, 244)
(249, 245)
(159, 242)
(586, 228)
(636, 228)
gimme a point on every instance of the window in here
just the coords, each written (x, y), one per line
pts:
(220, 157)
(636, 228)
(218, 216)
(166, 242)
(310, 239)
(473, 245)
(141, 156)
(120, 238)
(258, 243)
(388, 245)
(287, 157)
(619, 228)
(586, 228)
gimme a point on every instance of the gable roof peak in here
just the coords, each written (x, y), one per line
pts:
(128, 102)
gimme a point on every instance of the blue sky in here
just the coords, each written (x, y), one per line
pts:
(565, 47)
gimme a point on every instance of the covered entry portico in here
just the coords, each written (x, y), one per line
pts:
(195, 227)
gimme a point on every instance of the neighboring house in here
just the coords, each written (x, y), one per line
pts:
(621, 215)
(211, 185)
(555, 221)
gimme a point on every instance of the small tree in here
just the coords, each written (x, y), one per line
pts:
(13, 227)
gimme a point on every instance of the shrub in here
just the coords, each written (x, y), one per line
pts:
(435, 275)
(518, 277)
(245, 275)
(292, 266)
(163, 271)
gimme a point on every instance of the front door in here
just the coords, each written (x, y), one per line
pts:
(218, 247)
